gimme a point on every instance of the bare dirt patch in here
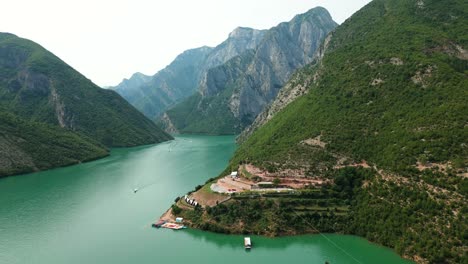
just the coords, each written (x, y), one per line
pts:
(396, 61)
(295, 179)
(377, 81)
(168, 216)
(317, 142)
(362, 164)
(205, 197)
(231, 185)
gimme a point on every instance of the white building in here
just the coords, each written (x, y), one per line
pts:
(234, 174)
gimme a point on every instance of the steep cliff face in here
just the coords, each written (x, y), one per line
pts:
(239, 40)
(243, 86)
(37, 86)
(175, 82)
(297, 86)
(179, 80)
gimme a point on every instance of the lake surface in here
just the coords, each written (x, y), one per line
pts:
(89, 214)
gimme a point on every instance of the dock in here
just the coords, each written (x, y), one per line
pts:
(173, 226)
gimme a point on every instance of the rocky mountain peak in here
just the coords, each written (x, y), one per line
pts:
(244, 33)
(236, 91)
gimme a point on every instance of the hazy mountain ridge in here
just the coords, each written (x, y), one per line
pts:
(181, 78)
(234, 93)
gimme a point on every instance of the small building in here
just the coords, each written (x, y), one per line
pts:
(179, 220)
(234, 174)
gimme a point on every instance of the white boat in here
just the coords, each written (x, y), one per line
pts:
(247, 243)
(135, 190)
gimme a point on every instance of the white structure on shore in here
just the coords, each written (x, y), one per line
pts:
(190, 201)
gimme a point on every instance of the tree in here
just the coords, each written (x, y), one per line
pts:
(176, 210)
(276, 181)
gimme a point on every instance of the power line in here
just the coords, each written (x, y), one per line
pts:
(329, 240)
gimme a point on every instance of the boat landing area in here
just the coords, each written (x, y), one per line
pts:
(168, 220)
(173, 226)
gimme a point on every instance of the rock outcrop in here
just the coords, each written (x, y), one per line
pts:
(153, 95)
(296, 87)
(243, 86)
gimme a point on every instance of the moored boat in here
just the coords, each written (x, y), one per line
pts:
(247, 243)
(158, 224)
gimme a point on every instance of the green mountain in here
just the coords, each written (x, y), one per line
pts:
(232, 94)
(53, 116)
(381, 115)
(27, 146)
(38, 86)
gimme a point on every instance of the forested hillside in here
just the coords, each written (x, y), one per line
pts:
(38, 86)
(27, 146)
(389, 95)
(53, 116)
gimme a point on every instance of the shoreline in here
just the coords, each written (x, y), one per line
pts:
(168, 216)
(108, 154)
(312, 209)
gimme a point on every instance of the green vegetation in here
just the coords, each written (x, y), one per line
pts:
(391, 89)
(27, 146)
(390, 124)
(36, 85)
(54, 116)
(210, 115)
(305, 211)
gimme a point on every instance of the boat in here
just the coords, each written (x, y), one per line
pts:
(158, 224)
(135, 190)
(247, 243)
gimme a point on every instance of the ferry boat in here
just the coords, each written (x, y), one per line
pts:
(247, 243)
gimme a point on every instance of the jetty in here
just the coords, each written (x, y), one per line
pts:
(173, 226)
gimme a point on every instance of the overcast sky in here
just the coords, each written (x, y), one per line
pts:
(108, 40)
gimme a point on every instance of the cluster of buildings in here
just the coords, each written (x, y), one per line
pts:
(190, 201)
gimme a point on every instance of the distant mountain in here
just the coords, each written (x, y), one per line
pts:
(125, 88)
(388, 91)
(153, 94)
(231, 95)
(37, 88)
(179, 80)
